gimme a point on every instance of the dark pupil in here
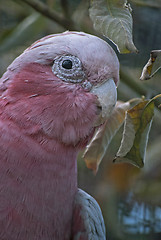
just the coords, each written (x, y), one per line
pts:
(67, 64)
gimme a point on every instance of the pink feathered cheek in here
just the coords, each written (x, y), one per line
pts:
(70, 70)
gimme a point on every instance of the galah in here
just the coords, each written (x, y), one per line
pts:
(53, 97)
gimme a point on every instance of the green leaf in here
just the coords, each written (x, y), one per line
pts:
(114, 20)
(152, 66)
(136, 131)
(30, 26)
(97, 147)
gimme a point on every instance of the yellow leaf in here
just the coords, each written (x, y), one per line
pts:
(136, 131)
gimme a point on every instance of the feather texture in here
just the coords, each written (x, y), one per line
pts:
(44, 122)
(88, 223)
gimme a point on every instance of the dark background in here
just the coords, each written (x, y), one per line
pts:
(130, 198)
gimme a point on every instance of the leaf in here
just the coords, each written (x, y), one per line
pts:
(136, 131)
(113, 19)
(97, 147)
(30, 26)
(152, 66)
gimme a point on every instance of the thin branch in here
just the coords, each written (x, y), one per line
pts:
(64, 5)
(50, 13)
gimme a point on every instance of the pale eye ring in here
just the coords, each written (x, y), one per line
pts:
(68, 68)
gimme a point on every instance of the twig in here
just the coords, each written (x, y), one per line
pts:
(64, 5)
(50, 13)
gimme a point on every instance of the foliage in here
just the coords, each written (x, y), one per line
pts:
(121, 186)
(136, 130)
(152, 66)
(98, 145)
(114, 20)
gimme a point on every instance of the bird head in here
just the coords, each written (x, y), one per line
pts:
(65, 84)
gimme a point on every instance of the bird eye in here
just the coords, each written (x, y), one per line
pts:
(67, 64)
(68, 68)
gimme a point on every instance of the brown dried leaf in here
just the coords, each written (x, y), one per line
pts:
(152, 66)
(97, 147)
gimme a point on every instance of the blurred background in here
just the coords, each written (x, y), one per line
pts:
(130, 198)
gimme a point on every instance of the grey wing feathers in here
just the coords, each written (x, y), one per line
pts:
(91, 215)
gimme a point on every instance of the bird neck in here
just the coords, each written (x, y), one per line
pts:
(56, 184)
(43, 175)
(38, 101)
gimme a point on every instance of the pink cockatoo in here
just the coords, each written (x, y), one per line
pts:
(53, 96)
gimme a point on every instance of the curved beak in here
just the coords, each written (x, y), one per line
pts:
(107, 96)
